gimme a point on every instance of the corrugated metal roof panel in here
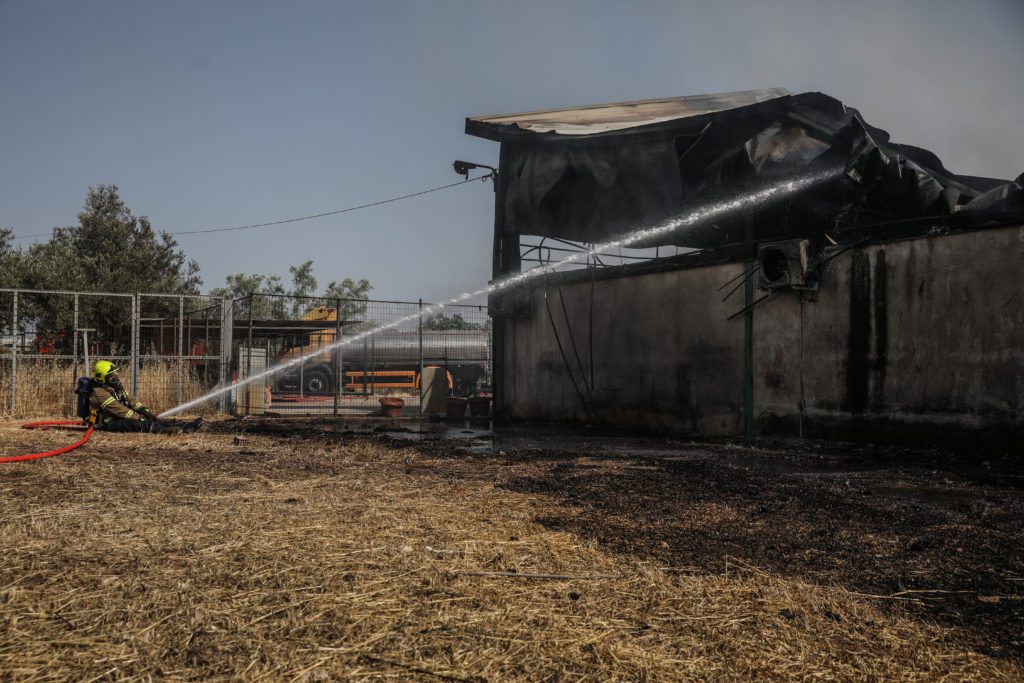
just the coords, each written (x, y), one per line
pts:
(602, 118)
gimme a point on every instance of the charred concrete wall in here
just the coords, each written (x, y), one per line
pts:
(921, 339)
(663, 358)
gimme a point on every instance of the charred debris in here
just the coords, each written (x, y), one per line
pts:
(590, 174)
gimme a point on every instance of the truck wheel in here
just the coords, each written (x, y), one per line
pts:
(316, 382)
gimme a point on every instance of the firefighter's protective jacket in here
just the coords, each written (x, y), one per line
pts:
(110, 404)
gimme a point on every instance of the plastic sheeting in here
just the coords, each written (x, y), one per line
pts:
(589, 188)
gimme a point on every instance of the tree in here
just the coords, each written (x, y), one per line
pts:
(351, 292)
(303, 280)
(11, 260)
(303, 286)
(455, 321)
(297, 300)
(246, 289)
(11, 264)
(241, 284)
(110, 250)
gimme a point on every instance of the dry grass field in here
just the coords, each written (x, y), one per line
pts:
(52, 384)
(298, 555)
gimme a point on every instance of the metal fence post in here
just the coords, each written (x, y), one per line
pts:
(366, 367)
(206, 343)
(419, 327)
(74, 340)
(14, 353)
(248, 360)
(136, 312)
(339, 375)
(181, 341)
(85, 344)
(227, 321)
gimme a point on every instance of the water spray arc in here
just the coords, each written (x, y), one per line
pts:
(691, 218)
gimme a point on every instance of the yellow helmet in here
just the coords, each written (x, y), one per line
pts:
(102, 369)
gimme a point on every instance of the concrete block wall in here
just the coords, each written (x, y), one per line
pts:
(663, 358)
(916, 340)
(921, 339)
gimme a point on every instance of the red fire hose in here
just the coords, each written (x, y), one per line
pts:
(45, 425)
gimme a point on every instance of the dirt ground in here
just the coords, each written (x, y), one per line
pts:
(274, 550)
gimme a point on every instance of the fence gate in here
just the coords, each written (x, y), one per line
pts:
(180, 343)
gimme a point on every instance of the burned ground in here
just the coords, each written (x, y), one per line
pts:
(939, 533)
(290, 552)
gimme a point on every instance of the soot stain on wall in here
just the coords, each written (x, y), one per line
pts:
(881, 327)
(859, 340)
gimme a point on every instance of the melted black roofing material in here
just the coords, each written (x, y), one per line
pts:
(593, 187)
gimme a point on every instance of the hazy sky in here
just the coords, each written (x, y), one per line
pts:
(224, 113)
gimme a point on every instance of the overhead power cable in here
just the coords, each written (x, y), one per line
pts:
(305, 218)
(329, 213)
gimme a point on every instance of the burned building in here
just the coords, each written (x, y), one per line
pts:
(752, 263)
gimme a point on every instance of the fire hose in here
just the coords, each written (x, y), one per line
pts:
(47, 424)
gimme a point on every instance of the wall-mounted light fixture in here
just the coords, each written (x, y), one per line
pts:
(464, 167)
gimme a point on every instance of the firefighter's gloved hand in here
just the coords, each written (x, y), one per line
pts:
(148, 414)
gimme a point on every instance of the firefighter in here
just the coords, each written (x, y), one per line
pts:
(113, 410)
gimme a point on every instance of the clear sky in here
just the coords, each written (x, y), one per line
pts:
(224, 113)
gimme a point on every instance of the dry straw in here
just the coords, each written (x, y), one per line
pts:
(46, 388)
(224, 557)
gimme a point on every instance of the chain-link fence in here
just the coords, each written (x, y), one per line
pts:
(183, 348)
(167, 347)
(172, 349)
(337, 359)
